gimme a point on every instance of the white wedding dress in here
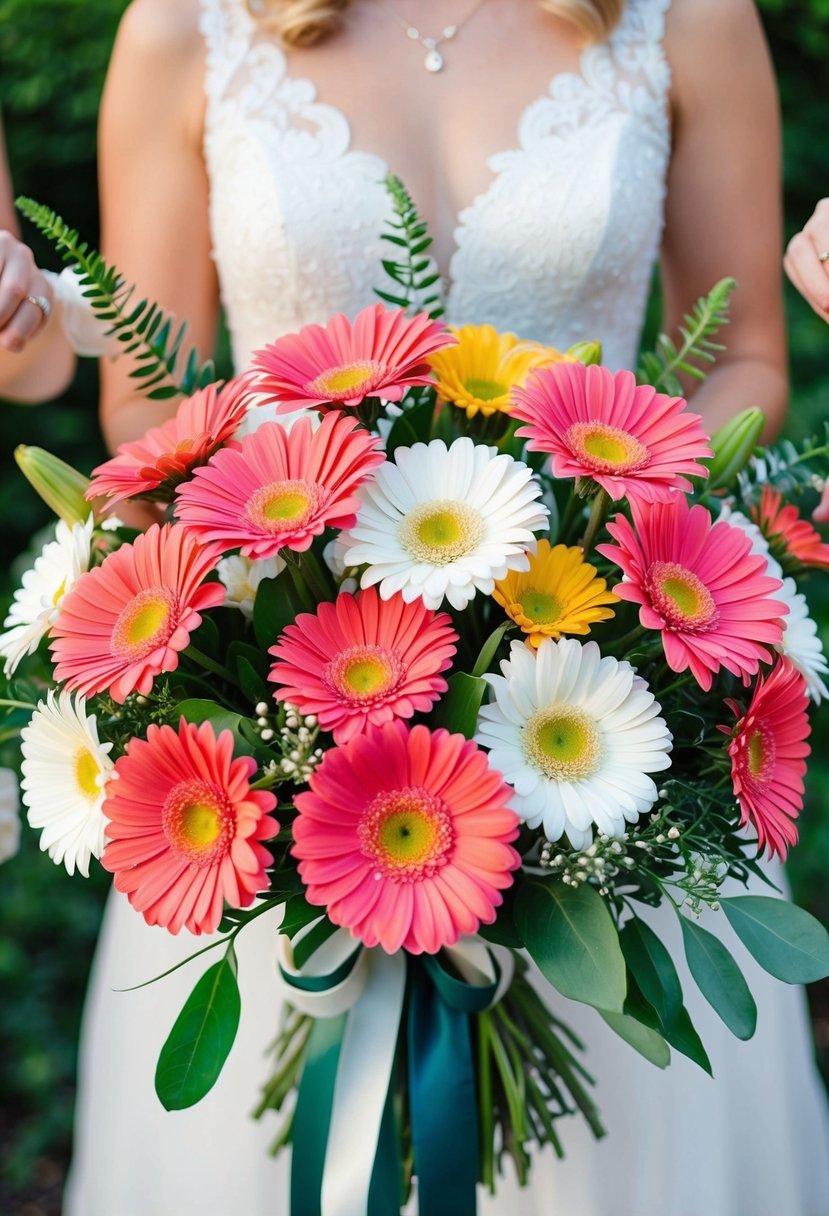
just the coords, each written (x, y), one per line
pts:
(559, 248)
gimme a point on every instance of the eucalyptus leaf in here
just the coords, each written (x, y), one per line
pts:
(200, 710)
(719, 979)
(199, 1043)
(785, 940)
(653, 969)
(647, 1042)
(572, 938)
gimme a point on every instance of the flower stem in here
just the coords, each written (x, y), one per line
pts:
(17, 704)
(598, 511)
(208, 664)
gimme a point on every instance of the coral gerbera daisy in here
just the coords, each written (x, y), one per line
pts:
(479, 374)
(124, 622)
(576, 735)
(700, 584)
(560, 593)
(280, 489)
(768, 753)
(631, 440)
(37, 602)
(781, 524)
(65, 771)
(185, 827)
(381, 354)
(445, 522)
(151, 467)
(404, 838)
(363, 661)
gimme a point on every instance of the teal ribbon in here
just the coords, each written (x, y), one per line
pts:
(442, 1098)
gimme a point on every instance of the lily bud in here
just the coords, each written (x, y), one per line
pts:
(733, 445)
(586, 352)
(59, 485)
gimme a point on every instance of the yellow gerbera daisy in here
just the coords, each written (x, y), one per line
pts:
(560, 593)
(478, 374)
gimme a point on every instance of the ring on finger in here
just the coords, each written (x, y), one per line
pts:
(43, 304)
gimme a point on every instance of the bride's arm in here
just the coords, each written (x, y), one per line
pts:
(154, 191)
(723, 213)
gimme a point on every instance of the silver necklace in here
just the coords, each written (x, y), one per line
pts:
(433, 61)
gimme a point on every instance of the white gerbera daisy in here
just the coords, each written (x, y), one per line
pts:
(65, 771)
(36, 603)
(242, 575)
(9, 814)
(801, 643)
(444, 522)
(575, 734)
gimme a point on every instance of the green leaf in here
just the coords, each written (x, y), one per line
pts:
(298, 914)
(277, 604)
(401, 435)
(201, 1039)
(653, 968)
(573, 940)
(503, 931)
(785, 940)
(199, 710)
(458, 708)
(719, 979)
(647, 1042)
(490, 648)
(683, 1037)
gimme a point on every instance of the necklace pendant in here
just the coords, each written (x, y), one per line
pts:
(433, 61)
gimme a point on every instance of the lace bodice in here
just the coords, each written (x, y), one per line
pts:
(558, 248)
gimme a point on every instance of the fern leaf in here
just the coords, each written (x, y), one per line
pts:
(661, 366)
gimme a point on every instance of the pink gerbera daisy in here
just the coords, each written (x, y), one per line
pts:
(153, 466)
(700, 585)
(781, 524)
(404, 838)
(628, 438)
(280, 488)
(381, 354)
(768, 753)
(185, 827)
(363, 661)
(124, 622)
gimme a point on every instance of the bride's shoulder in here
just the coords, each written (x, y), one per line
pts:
(702, 20)
(709, 41)
(160, 27)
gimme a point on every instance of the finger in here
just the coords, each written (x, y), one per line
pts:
(16, 281)
(24, 324)
(809, 275)
(821, 512)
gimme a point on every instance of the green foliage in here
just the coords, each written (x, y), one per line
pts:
(785, 940)
(415, 272)
(662, 366)
(719, 979)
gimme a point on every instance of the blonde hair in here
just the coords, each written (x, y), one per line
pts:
(304, 22)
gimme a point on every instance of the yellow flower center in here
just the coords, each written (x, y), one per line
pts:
(362, 675)
(87, 771)
(563, 743)
(199, 821)
(284, 506)
(485, 390)
(540, 607)
(606, 449)
(348, 380)
(760, 754)
(145, 624)
(680, 597)
(440, 532)
(406, 833)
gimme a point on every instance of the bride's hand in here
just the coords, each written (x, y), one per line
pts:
(26, 295)
(807, 260)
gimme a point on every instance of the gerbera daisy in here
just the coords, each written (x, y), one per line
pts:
(241, 577)
(445, 522)
(576, 735)
(800, 643)
(124, 622)
(404, 838)
(381, 354)
(363, 661)
(185, 827)
(37, 602)
(768, 753)
(631, 440)
(700, 584)
(151, 467)
(479, 374)
(560, 593)
(781, 524)
(280, 489)
(65, 771)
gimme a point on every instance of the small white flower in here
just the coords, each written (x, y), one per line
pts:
(575, 734)
(257, 415)
(36, 603)
(242, 575)
(445, 522)
(9, 814)
(801, 643)
(65, 771)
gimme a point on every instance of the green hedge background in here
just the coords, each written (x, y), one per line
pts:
(53, 56)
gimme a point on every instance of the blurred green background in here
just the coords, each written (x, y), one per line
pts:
(53, 56)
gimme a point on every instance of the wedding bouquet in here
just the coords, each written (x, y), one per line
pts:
(460, 650)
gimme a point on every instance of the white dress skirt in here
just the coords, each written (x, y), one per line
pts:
(559, 248)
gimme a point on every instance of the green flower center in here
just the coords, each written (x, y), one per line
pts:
(362, 675)
(606, 449)
(563, 743)
(199, 821)
(347, 380)
(407, 834)
(284, 506)
(485, 390)
(440, 532)
(680, 597)
(145, 624)
(540, 607)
